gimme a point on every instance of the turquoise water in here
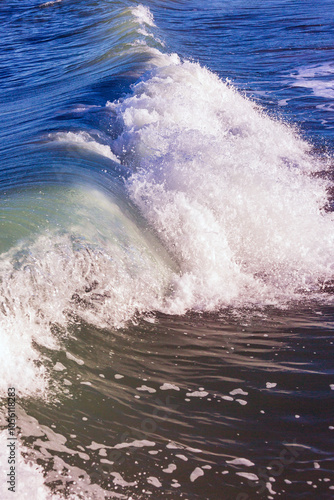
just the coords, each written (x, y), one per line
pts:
(166, 251)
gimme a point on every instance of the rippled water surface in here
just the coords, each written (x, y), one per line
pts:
(166, 250)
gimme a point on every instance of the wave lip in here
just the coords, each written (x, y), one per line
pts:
(143, 15)
(84, 141)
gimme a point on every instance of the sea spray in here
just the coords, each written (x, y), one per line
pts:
(229, 190)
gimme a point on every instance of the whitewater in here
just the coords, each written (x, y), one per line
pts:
(182, 196)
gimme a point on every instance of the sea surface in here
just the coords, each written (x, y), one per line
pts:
(167, 249)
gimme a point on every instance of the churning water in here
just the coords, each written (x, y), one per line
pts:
(167, 248)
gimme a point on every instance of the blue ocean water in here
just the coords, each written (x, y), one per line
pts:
(167, 235)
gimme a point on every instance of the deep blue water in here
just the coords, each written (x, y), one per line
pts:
(166, 250)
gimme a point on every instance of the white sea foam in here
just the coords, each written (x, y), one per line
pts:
(154, 481)
(84, 141)
(49, 4)
(170, 469)
(240, 461)
(238, 391)
(196, 473)
(118, 480)
(166, 386)
(319, 78)
(30, 477)
(143, 15)
(229, 190)
(271, 385)
(197, 394)
(323, 69)
(146, 388)
(248, 475)
(137, 443)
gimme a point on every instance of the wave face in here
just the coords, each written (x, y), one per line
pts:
(97, 266)
(230, 191)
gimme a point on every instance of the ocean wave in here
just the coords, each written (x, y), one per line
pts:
(235, 214)
(230, 191)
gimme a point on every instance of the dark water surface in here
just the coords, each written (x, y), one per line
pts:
(167, 235)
